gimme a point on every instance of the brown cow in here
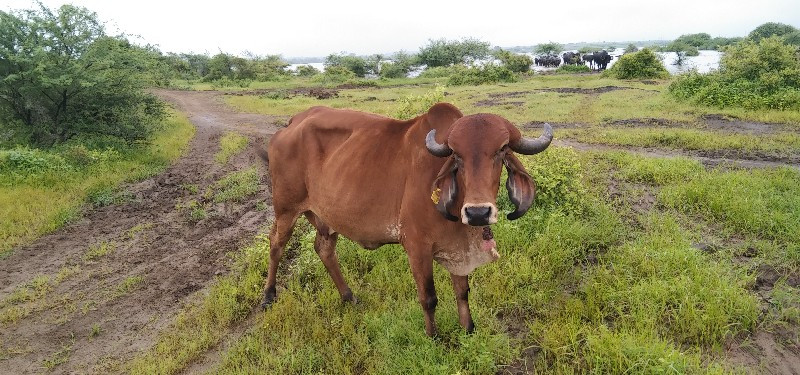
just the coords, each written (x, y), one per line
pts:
(379, 181)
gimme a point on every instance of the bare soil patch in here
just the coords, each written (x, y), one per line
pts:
(134, 291)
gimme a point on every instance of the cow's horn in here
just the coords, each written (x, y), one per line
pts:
(529, 146)
(435, 148)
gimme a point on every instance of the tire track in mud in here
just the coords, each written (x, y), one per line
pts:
(134, 291)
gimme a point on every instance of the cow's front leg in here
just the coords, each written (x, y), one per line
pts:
(461, 289)
(421, 260)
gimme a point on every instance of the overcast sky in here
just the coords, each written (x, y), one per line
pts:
(310, 28)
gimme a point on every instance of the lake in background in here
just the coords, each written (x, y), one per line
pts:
(704, 63)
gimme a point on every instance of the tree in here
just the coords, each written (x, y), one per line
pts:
(306, 71)
(61, 75)
(682, 50)
(351, 62)
(631, 48)
(770, 29)
(551, 48)
(443, 52)
(401, 64)
(515, 62)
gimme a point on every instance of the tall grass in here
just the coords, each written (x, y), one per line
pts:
(34, 201)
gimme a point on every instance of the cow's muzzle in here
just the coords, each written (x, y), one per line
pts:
(479, 214)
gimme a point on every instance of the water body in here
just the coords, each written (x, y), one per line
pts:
(704, 63)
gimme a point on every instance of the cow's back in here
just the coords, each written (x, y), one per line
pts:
(341, 165)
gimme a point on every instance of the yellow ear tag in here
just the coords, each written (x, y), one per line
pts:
(435, 195)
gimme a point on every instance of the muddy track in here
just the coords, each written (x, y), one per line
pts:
(135, 290)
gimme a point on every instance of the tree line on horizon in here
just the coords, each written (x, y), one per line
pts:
(63, 75)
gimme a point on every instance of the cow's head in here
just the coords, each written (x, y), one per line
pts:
(477, 147)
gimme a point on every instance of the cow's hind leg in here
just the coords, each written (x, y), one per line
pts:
(279, 235)
(325, 245)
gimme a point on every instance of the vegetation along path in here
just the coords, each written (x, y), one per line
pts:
(94, 293)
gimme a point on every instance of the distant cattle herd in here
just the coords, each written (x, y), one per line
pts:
(597, 60)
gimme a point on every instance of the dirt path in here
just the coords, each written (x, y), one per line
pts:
(93, 314)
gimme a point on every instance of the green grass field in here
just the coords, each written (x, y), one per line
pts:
(626, 264)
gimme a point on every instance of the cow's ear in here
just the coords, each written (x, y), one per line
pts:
(520, 186)
(445, 189)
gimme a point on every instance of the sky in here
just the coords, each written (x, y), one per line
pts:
(318, 28)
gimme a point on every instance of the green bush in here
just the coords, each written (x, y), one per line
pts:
(642, 64)
(442, 71)
(770, 29)
(334, 75)
(482, 75)
(443, 52)
(353, 63)
(764, 74)
(568, 69)
(61, 75)
(515, 62)
(414, 105)
(306, 71)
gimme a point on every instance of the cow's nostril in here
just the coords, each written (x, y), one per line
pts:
(480, 213)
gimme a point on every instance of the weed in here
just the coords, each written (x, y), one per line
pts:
(191, 188)
(99, 250)
(127, 285)
(570, 69)
(237, 186)
(415, 105)
(59, 357)
(95, 330)
(230, 144)
(193, 210)
(138, 228)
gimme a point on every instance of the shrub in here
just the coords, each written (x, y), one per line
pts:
(306, 71)
(764, 74)
(642, 64)
(631, 48)
(482, 75)
(443, 52)
(414, 105)
(517, 63)
(567, 69)
(442, 71)
(393, 70)
(334, 75)
(353, 63)
(551, 48)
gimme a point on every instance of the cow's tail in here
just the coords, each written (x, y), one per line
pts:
(261, 150)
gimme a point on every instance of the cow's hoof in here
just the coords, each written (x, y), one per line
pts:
(269, 297)
(349, 297)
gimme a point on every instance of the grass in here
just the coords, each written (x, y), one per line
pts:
(98, 250)
(237, 186)
(230, 144)
(639, 100)
(784, 144)
(647, 298)
(41, 202)
(127, 285)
